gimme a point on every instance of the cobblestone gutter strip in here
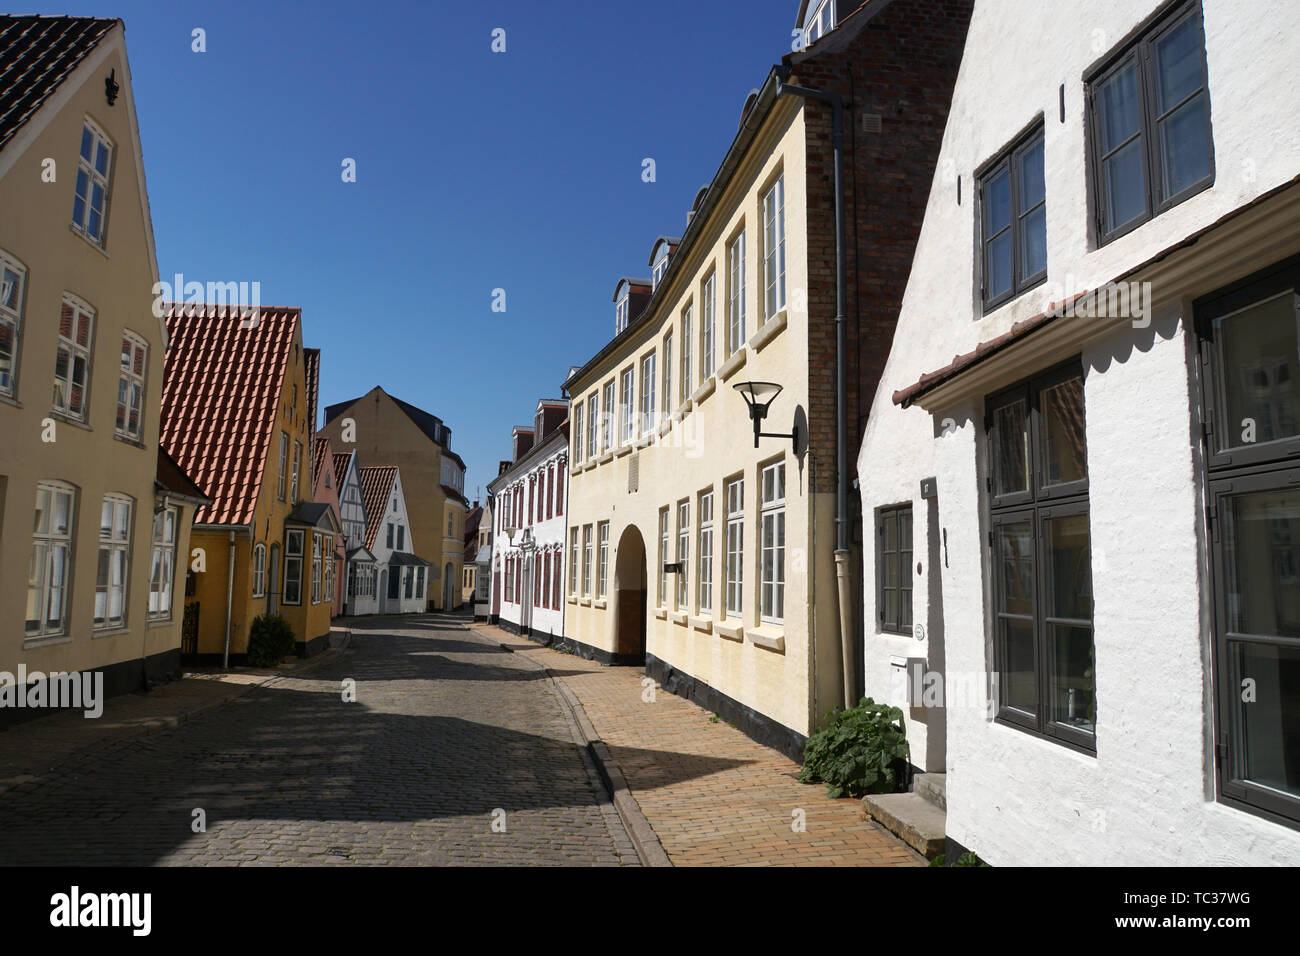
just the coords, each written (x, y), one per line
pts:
(244, 684)
(644, 838)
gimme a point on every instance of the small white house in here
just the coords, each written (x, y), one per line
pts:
(528, 559)
(402, 576)
(361, 575)
(1081, 462)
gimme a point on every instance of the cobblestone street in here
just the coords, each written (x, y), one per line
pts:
(446, 729)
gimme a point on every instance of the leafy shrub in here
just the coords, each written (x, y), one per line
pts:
(270, 640)
(966, 859)
(863, 750)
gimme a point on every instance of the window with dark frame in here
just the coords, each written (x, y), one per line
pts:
(1250, 400)
(1149, 124)
(1041, 558)
(894, 580)
(1013, 217)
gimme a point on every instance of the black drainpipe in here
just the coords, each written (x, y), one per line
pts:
(841, 427)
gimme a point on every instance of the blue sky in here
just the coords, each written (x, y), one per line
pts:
(475, 171)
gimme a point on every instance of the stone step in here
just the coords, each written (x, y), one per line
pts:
(910, 817)
(933, 787)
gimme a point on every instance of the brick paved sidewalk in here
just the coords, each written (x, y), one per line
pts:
(713, 795)
(31, 749)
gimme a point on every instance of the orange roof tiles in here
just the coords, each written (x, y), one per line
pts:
(376, 487)
(221, 387)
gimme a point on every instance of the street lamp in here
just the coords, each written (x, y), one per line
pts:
(759, 396)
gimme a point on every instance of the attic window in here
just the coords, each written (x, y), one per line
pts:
(660, 267)
(620, 314)
(821, 21)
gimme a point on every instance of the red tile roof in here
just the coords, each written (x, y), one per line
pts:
(341, 459)
(311, 363)
(221, 389)
(376, 488)
(320, 451)
(36, 55)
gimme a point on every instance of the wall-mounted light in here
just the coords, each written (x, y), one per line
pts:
(759, 396)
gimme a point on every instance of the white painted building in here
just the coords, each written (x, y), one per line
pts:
(403, 577)
(1087, 523)
(528, 527)
(360, 573)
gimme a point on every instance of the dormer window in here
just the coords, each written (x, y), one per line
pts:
(620, 314)
(660, 267)
(820, 22)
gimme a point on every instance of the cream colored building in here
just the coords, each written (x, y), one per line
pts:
(94, 520)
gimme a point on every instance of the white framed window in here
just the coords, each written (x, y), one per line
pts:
(771, 544)
(72, 360)
(293, 567)
(419, 582)
(704, 587)
(50, 564)
(593, 413)
(821, 22)
(130, 386)
(660, 267)
(735, 567)
(389, 538)
(774, 248)
(683, 553)
(620, 315)
(578, 433)
(94, 166)
(586, 560)
(668, 373)
(162, 563)
(663, 557)
(573, 561)
(408, 582)
(284, 461)
(627, 409)
(736, 294)
(259, 570)
(607, 420)
(708, 310)
(648, 393)
(688, 316)
(602, 574)
(315, 568)
(13, 281)
(297, 471)
(114, 561)
(401, 537)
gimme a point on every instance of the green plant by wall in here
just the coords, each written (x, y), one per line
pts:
(270, 640)
(862, 750)
(966, 859)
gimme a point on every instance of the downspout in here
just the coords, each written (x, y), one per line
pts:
(842, 563)
(230, 600)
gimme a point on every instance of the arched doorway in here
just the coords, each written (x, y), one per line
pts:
(630, 597)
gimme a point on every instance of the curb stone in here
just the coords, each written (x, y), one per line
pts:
(644, 838)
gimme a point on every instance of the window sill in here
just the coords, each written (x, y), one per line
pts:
(9, 400)
(734, 364)
(599, 604)
(679, 617)
(46, 640)
(585, 602)
(732, 632)
(665, 426)
(92, 243)
(706, 389)
(67, 419)
(573, 600)
(590, 466)
(770, 330)
(605, 458)
(622, 450)
(661, 613)
(116, 631)
(160, 622)
(704, 624)
(645, 441)
(770, 636)
(683, 410)
(127, 440)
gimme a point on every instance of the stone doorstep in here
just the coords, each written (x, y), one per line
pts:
(933, 787)
(910, 817)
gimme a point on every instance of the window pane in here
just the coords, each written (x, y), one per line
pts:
(1033, 243)
(1178, 65)
(1064, 444)
(1263, 564)
(1010, 449)
(1120, 111)
(997, 203)
(1073, 687)
(1185, 146)
(1016, 557)
(1069, 569)
(1032, 185)
(999, 266)
(1267, 728)
(1017, 674)
(1261, 377)
(1126, 181)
